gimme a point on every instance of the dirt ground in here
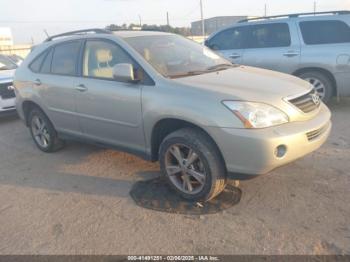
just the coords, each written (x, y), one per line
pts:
(77, 201)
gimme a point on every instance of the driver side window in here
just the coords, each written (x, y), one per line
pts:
(101, 56)
(229, 39)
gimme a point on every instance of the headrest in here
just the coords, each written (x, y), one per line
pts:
(104, 55)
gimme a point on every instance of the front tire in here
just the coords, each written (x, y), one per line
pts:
(43, 132)
(192, 165)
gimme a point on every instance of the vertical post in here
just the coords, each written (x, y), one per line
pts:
(167, 18)
(140, 21)
(315, 7)
(265, 12)
(202, 18)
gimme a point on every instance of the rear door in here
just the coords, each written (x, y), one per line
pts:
(54, 79)
(229, 43)
(274, 46)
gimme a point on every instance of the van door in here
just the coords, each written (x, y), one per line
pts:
(274, 46)
(229, 44)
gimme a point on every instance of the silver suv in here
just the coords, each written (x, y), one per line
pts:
(164, 97)
(312, 46)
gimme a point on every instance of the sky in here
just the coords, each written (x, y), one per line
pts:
(28, 18)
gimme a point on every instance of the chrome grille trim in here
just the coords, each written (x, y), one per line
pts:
(5, 93)
(306, 102)
(312, 135)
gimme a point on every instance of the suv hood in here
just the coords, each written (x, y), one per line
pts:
(6, 75)
(248, 83)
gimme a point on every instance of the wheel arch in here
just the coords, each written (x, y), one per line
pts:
(27, 106)
(323, 71)
(168, 125)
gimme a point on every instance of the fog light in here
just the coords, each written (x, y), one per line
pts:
(280, 151)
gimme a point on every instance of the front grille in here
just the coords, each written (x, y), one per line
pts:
(5, 93)
(316, 133)
(308, 102)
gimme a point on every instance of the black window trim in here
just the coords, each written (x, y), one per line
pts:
(320, 20)
(150, 81)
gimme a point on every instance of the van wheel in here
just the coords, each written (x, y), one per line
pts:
(192, 165)
(43, 132)
(322, 84)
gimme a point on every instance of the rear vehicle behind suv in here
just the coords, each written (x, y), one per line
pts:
(7, 94)
(314, 47)
(166, 98)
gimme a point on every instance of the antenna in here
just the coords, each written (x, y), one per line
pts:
(46, 33)
(202, 18)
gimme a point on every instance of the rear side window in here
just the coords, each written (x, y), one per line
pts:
(268, 35)
(35, 66)
(65, 58)
(229, 39)
(325, 32)
(46, 66)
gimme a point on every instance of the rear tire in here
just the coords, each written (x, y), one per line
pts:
(198, 166)
(322, 84)
(43, 132)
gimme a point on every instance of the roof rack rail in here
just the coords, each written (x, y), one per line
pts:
(341, 12)
(79, 32)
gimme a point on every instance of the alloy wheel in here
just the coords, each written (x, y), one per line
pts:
(40, 132)
(185, 169)
(319, 87)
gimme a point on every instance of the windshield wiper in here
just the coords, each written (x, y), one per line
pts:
(189, 73)
(220, 67)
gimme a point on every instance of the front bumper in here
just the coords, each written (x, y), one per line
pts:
(7, 105)
(252, 152)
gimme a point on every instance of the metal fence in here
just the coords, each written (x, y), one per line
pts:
(20, 50)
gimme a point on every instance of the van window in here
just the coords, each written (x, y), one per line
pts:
(325, 32)
(65, 57)
(268, 35)
(232, 38)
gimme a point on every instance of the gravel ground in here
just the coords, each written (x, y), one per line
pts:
(77, 201)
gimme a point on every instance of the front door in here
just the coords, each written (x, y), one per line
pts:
(109, 111)
(229, 44)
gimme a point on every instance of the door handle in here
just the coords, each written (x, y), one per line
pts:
(81, 88)
(291, 54)
(234, 56)
(37, 82)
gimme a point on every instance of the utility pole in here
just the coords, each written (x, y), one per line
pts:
(202, 18)
(140, 20)
(315, 7)
(265, 12)
(167, 19)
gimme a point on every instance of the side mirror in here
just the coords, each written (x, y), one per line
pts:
(124, 73)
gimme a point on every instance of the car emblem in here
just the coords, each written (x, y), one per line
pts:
(316, 99)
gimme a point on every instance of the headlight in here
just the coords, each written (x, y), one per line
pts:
(256, 115)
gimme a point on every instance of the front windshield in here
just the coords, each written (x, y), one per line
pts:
(6, 64)
(175, 56)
